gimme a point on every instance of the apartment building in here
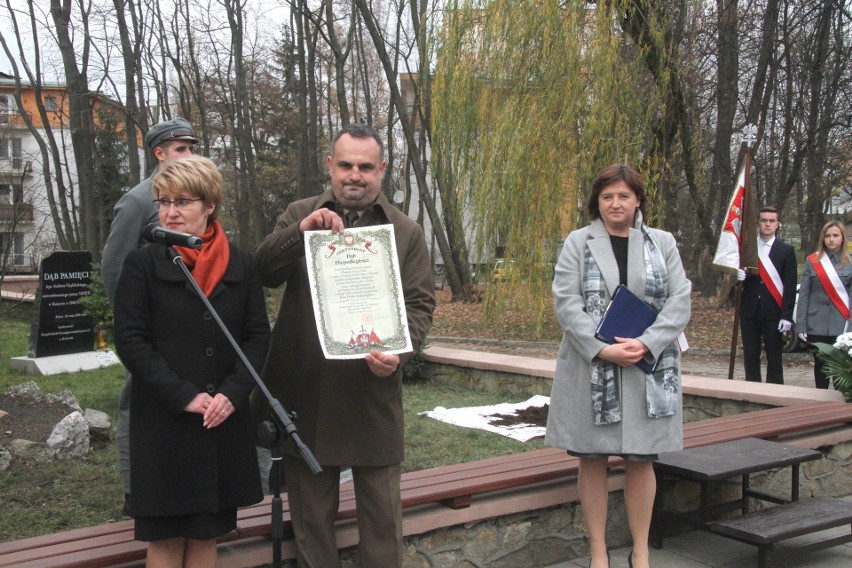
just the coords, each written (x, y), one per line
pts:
(29, 202)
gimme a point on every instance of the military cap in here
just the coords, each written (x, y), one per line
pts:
(175, 129)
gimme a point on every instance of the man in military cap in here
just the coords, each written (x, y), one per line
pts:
(167, 141)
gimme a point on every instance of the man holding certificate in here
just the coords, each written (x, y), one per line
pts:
(348, 411)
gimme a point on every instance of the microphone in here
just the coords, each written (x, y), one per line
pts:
(154, 233)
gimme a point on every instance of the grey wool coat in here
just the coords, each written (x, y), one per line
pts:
(570, 424)
(815, 314)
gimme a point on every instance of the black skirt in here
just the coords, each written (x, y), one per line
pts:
(199, 526)
(625, 457)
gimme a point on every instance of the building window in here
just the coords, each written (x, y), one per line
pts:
(12, 248)
(17, 154)
(50, 104)
(6, 194)
(7, 107)
(12, 148)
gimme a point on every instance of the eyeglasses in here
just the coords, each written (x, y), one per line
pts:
(181, 203)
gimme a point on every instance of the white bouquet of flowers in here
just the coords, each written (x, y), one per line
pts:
(838, 363)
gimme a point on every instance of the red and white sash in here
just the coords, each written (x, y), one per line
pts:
(769, 275)
(831, 283)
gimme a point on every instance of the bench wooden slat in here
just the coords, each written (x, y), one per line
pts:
(454, 485)
(492, 482)
(787, 521)
(63, 537)
(106, 556)
(522, 457)
(78, 553)
(20, 557)
(766, 424)
(818, 412)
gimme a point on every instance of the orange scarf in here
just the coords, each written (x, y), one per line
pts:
(211, 261)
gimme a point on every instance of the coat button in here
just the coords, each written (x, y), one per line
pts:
(211, 388)
(209, 351)
(206, 315)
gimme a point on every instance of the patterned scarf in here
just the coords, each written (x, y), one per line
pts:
(211, 262)
(661, 386)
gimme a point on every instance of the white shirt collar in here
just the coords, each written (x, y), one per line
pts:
(767, 243)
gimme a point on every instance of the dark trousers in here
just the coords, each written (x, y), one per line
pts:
(313, 505)
(820, 380)
(754, 332)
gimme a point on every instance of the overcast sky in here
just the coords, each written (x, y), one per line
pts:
(271, 14)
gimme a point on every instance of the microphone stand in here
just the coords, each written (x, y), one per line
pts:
(270, 431)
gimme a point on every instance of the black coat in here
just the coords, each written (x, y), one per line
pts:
(174, 349)
(757, 302)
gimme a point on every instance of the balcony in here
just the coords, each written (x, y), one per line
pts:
(16, 163)
(15, 169)
(19, 213)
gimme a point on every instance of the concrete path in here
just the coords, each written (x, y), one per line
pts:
(699, 549)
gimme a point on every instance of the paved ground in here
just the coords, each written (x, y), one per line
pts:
(697, 549)
(798, 367)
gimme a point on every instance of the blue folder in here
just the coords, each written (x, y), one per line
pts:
(627, 315)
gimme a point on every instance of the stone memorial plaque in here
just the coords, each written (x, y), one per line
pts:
(62, 326)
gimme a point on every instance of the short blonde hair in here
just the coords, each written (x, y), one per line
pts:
(195, 175)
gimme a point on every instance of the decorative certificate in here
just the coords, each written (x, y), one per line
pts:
(357, 292)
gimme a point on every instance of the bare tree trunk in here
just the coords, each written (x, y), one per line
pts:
(313, 115)
(81, 121)
(50, 149)
(639, 18)
(820, 112)
(363, 71)
(132, 62)
(341, 54)
(302, 190)
(726, 92)
(195, 81)
(249, 194)
(455, 277)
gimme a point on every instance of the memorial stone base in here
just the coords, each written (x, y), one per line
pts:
(44, 366)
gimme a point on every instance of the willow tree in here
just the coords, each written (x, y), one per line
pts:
(531, 99)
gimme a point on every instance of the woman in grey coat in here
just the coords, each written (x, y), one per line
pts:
(602, 403)
(820, 318)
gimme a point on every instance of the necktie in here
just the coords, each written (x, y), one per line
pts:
(351, 219)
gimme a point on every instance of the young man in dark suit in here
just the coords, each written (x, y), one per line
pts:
(769, 295)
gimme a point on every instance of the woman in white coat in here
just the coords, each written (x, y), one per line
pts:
(602, 403)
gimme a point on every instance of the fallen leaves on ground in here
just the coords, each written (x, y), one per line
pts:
(710, 327)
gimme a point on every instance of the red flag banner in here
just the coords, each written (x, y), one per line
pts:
(728, 251)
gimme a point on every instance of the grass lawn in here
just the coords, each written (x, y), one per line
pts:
(41, 499)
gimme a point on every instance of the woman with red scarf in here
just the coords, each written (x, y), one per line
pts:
(191, 434)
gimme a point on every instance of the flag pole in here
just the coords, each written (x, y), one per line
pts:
(749, 137)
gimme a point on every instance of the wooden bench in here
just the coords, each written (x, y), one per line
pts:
(767, 527)
(455, 486)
